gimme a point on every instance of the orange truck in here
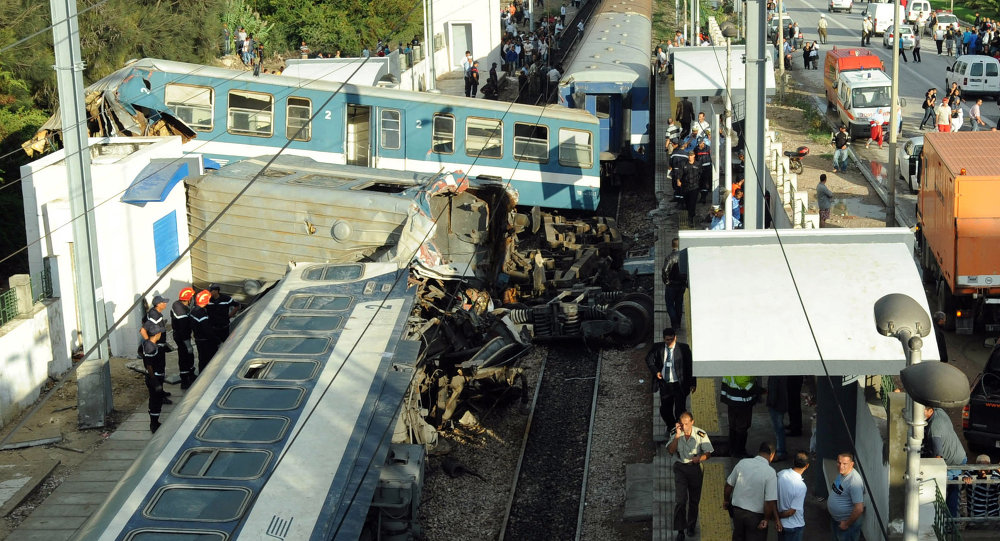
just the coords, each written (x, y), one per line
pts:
(958, 215)
(838, 61)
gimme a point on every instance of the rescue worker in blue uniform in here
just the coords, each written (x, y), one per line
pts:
(204, 337)
(221, 309)
(155, 315)
(180, 322)
(152, 334)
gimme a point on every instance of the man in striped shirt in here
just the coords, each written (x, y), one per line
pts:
(983, 497)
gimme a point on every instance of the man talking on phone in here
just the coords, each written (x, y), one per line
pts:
(692, 447)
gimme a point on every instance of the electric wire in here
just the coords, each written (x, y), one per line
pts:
(812, 331)
(9, 46)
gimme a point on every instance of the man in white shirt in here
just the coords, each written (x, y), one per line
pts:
(791, 499)
(702, 124)
(751, 495)
(975, 115)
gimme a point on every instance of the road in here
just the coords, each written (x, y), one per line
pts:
(844, 30)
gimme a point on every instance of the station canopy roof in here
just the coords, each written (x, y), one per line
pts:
(701, 71)
(767, 304)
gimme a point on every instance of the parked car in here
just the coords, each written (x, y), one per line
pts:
(773, 28)
(840, 5)
(981, 416)
(977, 74)
(945, 20)
(908, 162)
(905, 35)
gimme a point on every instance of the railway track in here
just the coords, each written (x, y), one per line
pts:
(546, 498)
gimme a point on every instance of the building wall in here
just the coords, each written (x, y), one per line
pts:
(124, 234)
(29, 357)
(870, 441)
(483, 16)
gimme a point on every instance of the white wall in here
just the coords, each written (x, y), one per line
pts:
(124, 232)
(29, 357)
(483, 15)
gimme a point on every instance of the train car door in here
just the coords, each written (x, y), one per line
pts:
(391, 143)
(608, 110)
(357, 143)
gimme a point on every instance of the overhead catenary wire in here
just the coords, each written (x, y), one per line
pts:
(812, 331)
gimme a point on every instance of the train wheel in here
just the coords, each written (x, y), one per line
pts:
(633, 323)
(946, 303)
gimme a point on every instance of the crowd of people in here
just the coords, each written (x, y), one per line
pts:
(949, 113)
(982, 38)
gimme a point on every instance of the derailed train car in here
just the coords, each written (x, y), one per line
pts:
(403, 301)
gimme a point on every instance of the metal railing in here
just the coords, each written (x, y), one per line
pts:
(888, 386)
(8, 306)
(41, 289)
(945, 526)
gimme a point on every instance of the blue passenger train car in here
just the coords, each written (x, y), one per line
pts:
(548, 154)
(609, 77)
(284, 434)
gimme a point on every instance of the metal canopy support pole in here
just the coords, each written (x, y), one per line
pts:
(894, 112)
(756, 66)
(911, 508)
(716, 158)
(432, 83)
(93, 401)
(779, 44)
(728, 164)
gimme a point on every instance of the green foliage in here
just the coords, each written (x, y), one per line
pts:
(966, 11)
(239, 14)
(347, 25)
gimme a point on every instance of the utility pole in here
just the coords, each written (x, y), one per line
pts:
(894, 112)
(778, 38)
(729, 133)
(684, 24)
(429, 45)
(94, 400)
(756, 68)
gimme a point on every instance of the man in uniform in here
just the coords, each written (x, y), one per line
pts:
(692, 447)
(703, 156)
(739, 393)
(180, 321)
(688, 183)
(204, 336)
(155, 315)
(751, 496)
(670, 363)
(685, 115)
(152, 333)
(474, 79)
(220, 310)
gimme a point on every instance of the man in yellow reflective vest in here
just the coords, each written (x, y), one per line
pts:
(739, 393)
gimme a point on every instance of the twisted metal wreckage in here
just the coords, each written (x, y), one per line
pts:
(489, 281)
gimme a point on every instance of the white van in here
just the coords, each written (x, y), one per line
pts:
(881, 17)
(860, 95)
(918, 11)
(976, 74)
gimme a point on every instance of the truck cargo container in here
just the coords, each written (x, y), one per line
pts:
(959, 222)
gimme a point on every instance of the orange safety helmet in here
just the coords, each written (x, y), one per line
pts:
(203, 298)
(186, 294)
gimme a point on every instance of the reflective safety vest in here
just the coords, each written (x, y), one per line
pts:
(739, 389)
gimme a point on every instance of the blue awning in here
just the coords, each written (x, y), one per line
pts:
(154, 183)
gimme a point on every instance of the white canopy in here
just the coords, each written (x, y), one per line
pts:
(701, 71)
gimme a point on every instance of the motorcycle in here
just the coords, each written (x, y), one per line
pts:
(795, 159)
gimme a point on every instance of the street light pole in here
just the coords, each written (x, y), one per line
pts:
(911, 505)
(894, 112)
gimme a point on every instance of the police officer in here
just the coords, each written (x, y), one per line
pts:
(703, 157)
(688, 182)
(739, 393)
(204, 336)
(180, 321)
(220, 309)
(155, 315)
(152, 333)
(692, 447)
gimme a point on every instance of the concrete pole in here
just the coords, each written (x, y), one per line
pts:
(677, 10)
(427, 45)
(728, 164)
(756, 68)
(716, 159)
(95, 403)
(684, 24)
(894, 112)
(432, 84)
(911, 517)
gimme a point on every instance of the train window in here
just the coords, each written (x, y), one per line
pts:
(251, 113)
(280, 370)
(231, 428)
(306, 323)
(192, 104)
(297, 115)
(205, 504)
(293, 345)
(531, 142)
(262, 398)
(602, 105)
(222, 463)
(331, 303)
(389, 128)
(175, 535)
(443, 134)
(484, 137)
(576, 148)
(338, 273)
